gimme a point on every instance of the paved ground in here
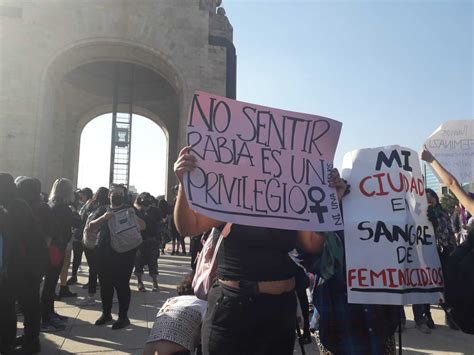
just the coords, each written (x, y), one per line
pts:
(81, 336)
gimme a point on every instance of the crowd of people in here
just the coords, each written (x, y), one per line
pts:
(262, 273)
(38, 235)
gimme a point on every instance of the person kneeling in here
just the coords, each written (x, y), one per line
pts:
(177, 327)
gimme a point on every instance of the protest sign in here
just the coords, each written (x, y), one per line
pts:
(261, 166)
(391, 255)
(452, 144)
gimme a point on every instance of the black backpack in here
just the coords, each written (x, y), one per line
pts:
(459, 288)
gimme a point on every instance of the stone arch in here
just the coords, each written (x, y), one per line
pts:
(52, 99)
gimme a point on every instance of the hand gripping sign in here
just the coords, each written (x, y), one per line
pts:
(261, 166)
(391, 255)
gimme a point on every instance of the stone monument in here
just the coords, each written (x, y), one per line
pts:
(57, 60)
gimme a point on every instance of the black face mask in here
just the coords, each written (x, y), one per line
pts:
(146, 203)
(117, 200)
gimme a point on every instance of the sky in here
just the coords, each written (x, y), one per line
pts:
(148, 155)
(390, 71)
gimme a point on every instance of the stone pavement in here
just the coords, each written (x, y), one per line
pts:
(83, 337)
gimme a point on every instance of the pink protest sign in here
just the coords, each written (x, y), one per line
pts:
(262, 166)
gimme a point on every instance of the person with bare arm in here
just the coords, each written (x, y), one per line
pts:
(449, 180)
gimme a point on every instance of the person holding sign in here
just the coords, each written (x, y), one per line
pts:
(446, 244)
(252, 305)
(345, 328)
(449, 180)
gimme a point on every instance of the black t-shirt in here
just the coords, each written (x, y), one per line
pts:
(64, 219)
(152, 217)
(256, 254)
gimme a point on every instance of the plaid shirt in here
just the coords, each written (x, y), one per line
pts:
(352, 328)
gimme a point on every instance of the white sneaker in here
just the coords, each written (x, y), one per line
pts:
(88, 301)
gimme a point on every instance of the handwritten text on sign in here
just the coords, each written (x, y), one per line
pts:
(453, 146)
(261, 166)
(391, 254)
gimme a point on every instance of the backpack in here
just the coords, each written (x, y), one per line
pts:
(124, 231)
(459, 284)
(89, 237)
(206, 265)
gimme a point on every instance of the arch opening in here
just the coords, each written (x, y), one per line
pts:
(78, 88)
(148, 163)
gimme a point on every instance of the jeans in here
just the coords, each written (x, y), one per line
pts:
(115, 270)
(91, 258)
(237, 323)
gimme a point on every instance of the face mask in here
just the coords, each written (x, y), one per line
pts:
(146, 203)
(117, 200)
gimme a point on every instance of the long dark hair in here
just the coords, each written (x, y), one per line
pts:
(186, 287)
(434, 212)
(434, 194)
(100, 198)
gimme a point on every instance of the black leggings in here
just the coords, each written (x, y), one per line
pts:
(237, 323)
(91, 258)
(115, 271)
(26, 292)
(78, 249)
(195, 246)
(175, 236)
(49, 289)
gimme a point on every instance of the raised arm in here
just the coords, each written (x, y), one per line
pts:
(187, 221)
(449, 180)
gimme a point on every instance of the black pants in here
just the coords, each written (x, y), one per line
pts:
(49, 289)
(115, 271)
(181, 243)
(421, 312)
(26, 292)
(78, 249)
(175, 236)
(91, 258)
(148, 254)
(302, 283)
(238, 324)
(195, 246)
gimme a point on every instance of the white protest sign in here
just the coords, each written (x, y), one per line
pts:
(452, 144)
(261, 166)
(391, 255)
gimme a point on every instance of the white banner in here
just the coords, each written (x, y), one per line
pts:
(391, 255)
(452, 144)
